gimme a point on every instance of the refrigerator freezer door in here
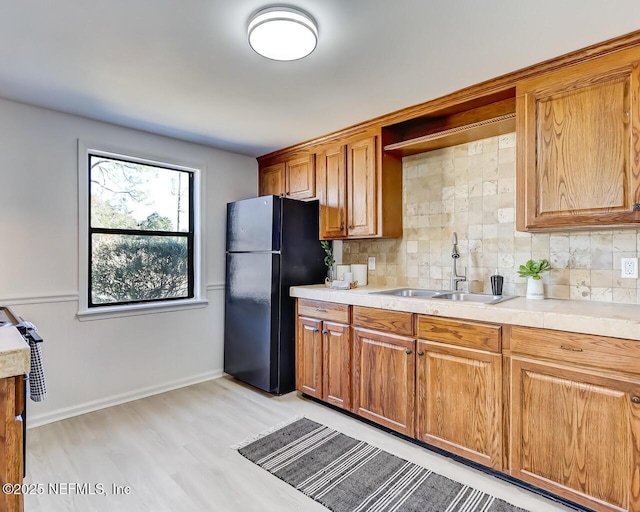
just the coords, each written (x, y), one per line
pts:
(252, 310)
(254, 224)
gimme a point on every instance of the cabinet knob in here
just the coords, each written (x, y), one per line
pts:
(315, 330)
(350, 227)
(420, 352)
(635, 399)
(341, 227)
(636, 207)
(408, 351)
(325, 332)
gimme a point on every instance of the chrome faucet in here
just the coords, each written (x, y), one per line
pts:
(455, 278)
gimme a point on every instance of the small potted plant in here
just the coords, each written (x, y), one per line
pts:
(532, 270)
(329, 260)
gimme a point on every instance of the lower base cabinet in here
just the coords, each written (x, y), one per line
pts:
(576, 433)
(11, 441)
(336, 382)
(309, 357)
(558, 410)
(384, 379)
(323, 360)
(459, 401)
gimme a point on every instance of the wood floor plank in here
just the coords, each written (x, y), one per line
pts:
(174, 451)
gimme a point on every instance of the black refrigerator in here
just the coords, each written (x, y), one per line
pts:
(272, 244)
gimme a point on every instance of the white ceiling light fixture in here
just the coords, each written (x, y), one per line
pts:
(282, 33)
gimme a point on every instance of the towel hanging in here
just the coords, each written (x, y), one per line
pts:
(37, 382)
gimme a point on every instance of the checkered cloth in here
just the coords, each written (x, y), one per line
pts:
(37, 382)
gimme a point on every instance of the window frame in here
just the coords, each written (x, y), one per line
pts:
(87, 310)
(140, 232)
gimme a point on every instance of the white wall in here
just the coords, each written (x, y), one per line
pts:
(95, 363)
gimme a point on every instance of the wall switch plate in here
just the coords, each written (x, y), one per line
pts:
(629, 268)
(372, 262)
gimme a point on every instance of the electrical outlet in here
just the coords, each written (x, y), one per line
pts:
(372, 262)
(629, 268)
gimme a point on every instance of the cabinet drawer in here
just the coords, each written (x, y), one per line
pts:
(584, 349)
(324, 310)
(464, 334)
(396, 322)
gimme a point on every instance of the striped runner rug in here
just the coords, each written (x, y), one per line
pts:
(347, 475)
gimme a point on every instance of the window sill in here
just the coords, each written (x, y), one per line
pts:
(106, 312)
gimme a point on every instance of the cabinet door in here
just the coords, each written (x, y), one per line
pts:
(336, 375)
(11, 466)
(271, 180)
(384, 379)
(300, 176)
(309, 357)
(459, 401)
(332, 187)
(576, 434)
(578, 148)
(362, 188)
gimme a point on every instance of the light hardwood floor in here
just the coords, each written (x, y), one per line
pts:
(173, 450)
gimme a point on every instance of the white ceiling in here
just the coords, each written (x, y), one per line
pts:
(183, 68)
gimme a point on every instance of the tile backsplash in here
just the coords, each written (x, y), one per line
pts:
(470, 189)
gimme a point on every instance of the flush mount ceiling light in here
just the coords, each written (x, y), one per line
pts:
(282, 33)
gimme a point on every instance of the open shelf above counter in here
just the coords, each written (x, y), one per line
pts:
(482, 117)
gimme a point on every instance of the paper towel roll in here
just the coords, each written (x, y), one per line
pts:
(360, 274)
(341, 270)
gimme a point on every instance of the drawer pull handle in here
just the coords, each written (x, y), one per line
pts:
(571, 349)
(635, 399)
(408, 351)
(320, 310)
(420, 352)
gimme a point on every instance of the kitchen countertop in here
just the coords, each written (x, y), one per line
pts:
(587, 317)
(14, 353)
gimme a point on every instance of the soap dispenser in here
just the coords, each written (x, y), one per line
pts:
(496, 283)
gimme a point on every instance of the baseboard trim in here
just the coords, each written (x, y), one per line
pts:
(37, 420)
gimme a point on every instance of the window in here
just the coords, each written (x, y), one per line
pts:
(141, 231)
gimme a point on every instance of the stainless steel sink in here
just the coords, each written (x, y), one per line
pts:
(421, 293)
(473, 297)
(410, 292)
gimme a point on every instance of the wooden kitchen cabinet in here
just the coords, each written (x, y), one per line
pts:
(336, 374)
(294, 178)
(309, 356)
(11, 440)
(558, 410)
(300, 177)
(384, 379)
(575, 415)
(459, 387)
(323, 352)
(332, 191)
(271, 180)
(459, 401)
(578, 145)
(358, 197)
(362, 188)
(576, 433)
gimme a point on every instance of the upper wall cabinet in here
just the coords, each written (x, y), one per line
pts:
(332, 191)
(360, 191)
(578, 145)
(271, 180)
(294, 178)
